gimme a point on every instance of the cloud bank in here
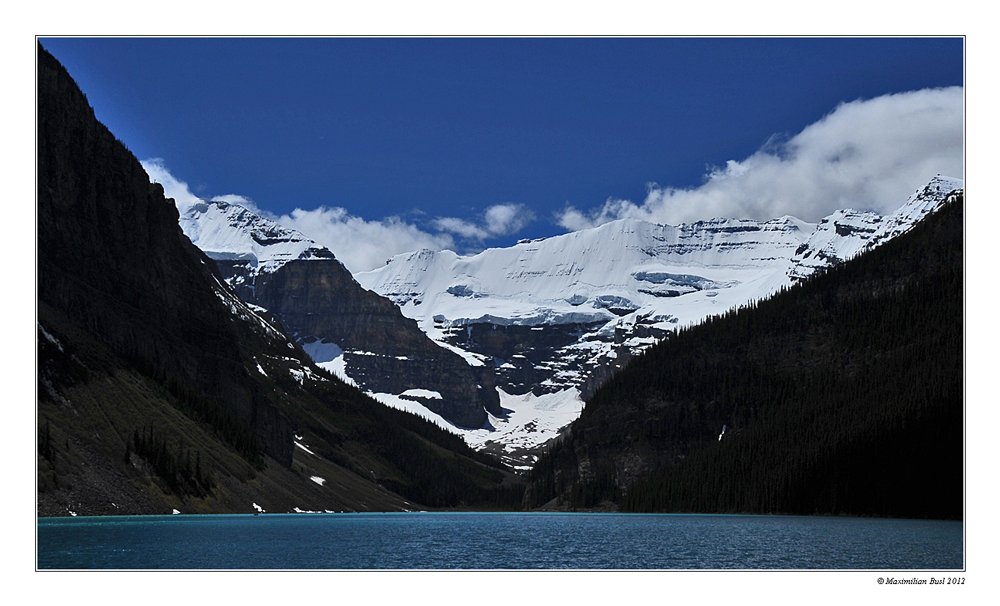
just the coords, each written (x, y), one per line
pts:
(866, 154)
(364, 245)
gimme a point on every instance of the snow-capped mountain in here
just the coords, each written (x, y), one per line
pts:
(348, 330)
(847, 233)
(557, 315)
(630, 271)
(231, 231)
(239, 238)
(545, 321)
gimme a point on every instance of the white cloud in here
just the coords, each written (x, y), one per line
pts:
(181, 193)
(461, 227)
(573, 219)
(867, 155)
(504, 219)
(172, 187)
(498, 220)
(359, 244)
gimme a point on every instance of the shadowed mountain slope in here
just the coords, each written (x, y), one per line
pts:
(160, 389)
(840, 395)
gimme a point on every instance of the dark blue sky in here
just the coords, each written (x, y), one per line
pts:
(450, 127)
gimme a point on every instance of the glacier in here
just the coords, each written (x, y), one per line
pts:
(611, 292)
(556, 316)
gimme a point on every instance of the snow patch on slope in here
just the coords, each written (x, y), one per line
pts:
(329, 357)
(530, 421)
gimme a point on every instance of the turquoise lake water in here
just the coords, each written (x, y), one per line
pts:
(496, 541)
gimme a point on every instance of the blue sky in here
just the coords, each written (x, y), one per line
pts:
(468, 143)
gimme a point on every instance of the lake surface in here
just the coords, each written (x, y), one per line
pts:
(497, 541)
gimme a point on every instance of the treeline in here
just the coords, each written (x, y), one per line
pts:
(435, 480)
(842, 394)
(195, 405)
(182, 474)
(48, 476)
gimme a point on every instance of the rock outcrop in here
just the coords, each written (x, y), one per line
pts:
(383, 350)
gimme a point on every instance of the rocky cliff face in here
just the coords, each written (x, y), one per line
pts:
(112, 259)
(318, 300)
(531, 359)
(385, 352)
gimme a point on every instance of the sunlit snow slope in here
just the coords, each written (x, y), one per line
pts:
(557, 314)
(230, 232)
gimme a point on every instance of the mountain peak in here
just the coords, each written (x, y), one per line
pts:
(227, 231)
